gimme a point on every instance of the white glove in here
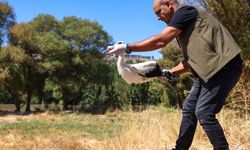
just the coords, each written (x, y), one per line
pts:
(119, 47)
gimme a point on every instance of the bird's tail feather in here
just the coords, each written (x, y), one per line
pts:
(156, 72)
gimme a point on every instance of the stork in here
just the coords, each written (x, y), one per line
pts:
(141, 72)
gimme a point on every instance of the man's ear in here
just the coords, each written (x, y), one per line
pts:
(169, 5)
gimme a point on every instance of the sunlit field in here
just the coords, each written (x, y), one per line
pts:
(153, 129)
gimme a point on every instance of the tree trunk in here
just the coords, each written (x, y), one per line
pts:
(65, 105)
(16, 97)
(18, 105)
(98, 93)
(65, 99)
(28, 100)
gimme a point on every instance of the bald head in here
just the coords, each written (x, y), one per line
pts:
(160, 2)
(157, 1)
(164, 9)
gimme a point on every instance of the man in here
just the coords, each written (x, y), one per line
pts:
(210, 53)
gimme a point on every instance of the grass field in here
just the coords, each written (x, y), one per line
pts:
(152, 129)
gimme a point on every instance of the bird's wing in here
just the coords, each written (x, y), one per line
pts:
(147, 69)
(142, 67)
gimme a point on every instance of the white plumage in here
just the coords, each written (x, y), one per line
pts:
(138, 73)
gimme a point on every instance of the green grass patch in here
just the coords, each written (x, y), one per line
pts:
(78, 125)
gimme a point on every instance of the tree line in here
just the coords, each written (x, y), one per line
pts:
(49, 61)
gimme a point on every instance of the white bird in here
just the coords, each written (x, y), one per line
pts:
(138, 73)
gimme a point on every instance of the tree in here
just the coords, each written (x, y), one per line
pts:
(7, 19)
(64, 54)
(11, 65)
(71, 50)
(24, 38)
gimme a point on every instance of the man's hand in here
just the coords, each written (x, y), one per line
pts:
(119, 47)
(169, 75)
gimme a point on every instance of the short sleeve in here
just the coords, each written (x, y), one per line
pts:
(183, 17)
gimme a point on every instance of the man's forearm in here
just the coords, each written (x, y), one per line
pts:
(155, 42)
(149, 44)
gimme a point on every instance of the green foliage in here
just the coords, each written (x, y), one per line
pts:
(55, 60)
(45, 23)
(138, 95)
(157, 93)
(7, 19)
(172, 55)
(60, 62)
(118, 90)
(11, 62)
(5, 96)
(71, 48)
(174, 94)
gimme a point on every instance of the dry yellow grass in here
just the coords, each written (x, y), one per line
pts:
(152, 129)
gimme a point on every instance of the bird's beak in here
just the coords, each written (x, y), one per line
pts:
(108, 51)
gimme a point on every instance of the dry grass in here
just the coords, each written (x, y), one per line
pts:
(151, 130)
(148, 130)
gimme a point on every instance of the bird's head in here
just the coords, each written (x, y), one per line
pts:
(117, 49)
